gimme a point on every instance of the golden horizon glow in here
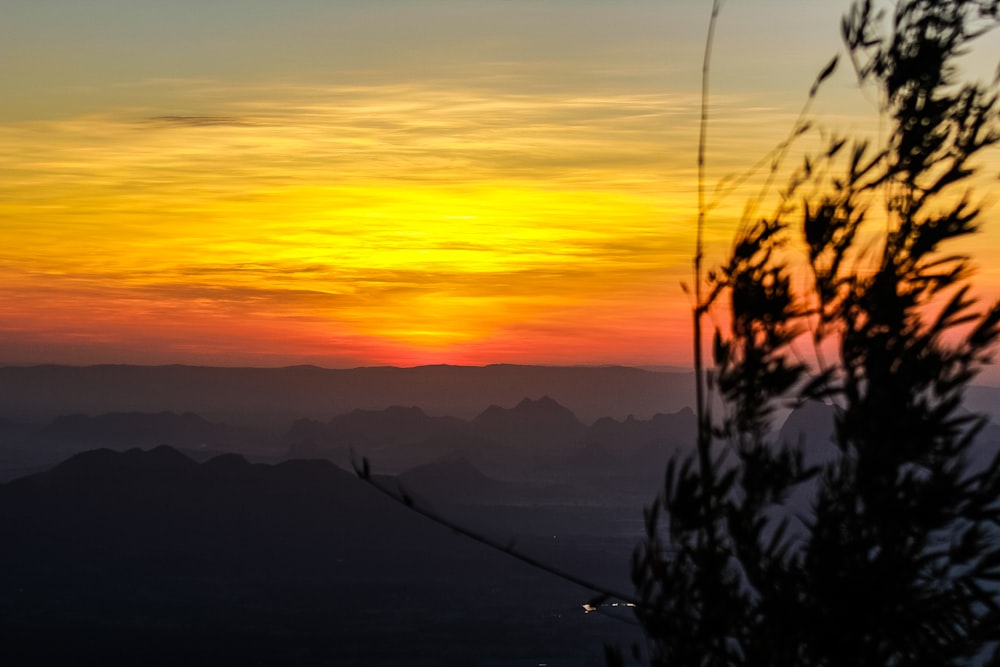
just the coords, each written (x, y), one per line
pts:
(527, 197)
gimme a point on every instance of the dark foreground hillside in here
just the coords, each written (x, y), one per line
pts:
(150, 558)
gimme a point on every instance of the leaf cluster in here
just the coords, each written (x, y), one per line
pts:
(898, 561)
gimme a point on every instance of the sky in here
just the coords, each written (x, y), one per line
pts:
(386, 182)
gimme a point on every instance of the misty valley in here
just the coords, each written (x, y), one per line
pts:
(167, 515)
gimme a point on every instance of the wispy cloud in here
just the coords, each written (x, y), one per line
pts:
(408, 213)
(198, 121)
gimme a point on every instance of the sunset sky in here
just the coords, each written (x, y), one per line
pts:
(368, 182)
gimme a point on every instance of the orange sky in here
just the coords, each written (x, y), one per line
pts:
(351, 183)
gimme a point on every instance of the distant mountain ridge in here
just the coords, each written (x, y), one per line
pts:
(535, 431)
(539, 428)
(276, 395)
(531, 425)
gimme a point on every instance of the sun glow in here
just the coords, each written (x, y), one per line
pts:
(512, 182)
(429, 262)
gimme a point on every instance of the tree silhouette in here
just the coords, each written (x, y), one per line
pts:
(896, 562)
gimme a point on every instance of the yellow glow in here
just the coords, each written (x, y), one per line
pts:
(412, 225)
(126, 222)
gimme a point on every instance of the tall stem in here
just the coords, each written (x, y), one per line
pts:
(704, 430)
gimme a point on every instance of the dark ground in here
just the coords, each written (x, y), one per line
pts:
(149, 558)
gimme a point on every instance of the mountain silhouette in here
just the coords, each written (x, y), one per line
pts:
(276, 396)
(147, 557)
(633, 449)
(628, 436)
(811, 424)
(540, 426)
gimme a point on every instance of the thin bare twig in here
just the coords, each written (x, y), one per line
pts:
(704, 428)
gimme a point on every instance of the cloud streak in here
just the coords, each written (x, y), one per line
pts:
(410, 216)
(417, 218)
(198, 121)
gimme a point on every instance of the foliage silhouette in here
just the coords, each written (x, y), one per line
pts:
(897, 562)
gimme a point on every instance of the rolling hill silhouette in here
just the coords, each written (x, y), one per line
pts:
(147, 557)
(509, 441)
(275, 396)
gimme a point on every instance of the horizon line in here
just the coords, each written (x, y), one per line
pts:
(653, 368)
